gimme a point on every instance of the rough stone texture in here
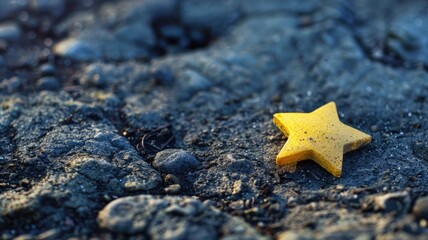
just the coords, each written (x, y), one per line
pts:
(175, 161)
(138, 77)
(172, 218)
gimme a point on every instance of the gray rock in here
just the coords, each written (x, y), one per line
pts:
(48, 83)
(171, 218)
(9, 31)
(47, 69)
(76, 50)
(175, 161)
(420, 209)
(12, 85)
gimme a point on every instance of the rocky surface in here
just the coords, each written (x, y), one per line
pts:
(107, 108)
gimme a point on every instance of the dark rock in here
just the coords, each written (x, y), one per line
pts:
(175, 161)
(171, 218)
(420, 209)
(9, 31)
(163, 75)
(47, 69)
(48, 83)
(12, 85)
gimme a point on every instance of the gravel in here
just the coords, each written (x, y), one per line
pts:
(162, 109)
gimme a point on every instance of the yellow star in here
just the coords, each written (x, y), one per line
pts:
(319, 136)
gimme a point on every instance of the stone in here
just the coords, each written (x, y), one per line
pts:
(293, 235)
(173, 189)
(175, 161)
(76, 50)
(12, 85)
(47, 69)
(171, 218)
(393, 202)
(48, 83)
(9, 31)
(420, 208)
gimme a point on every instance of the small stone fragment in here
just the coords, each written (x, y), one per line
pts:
(9, 31)
(237, 187)
(12, 85)
(48, 83)
(76, 50)
(175, 161)
(420, 209)
(397, 202)
(47, 69)
(173, 189)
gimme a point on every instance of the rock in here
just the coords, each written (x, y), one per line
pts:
(163, 75)
(420, 209)
(48, 83)
(173, 189)
(293, 235)
(171, 218)
(9, 31)
(12, 85)
(76, 50)
(393, 202)
(47, 69)
(175, 161)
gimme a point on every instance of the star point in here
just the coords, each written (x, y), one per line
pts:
(319, 136)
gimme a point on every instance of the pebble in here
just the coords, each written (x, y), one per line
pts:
(48, 83)
(9, 31)
(194, 81)
(397, 201)
(163, 75)
(12, 85)
(47, 69)
(76, 50)
(175, 161)
(292, 235)
(173, 189)
(171, 179)
(420, 209)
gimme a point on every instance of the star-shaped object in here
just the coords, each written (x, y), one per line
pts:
(319, 136)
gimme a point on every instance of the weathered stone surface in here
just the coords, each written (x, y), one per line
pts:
(138, 77)
(175, 161)
(172, 218)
